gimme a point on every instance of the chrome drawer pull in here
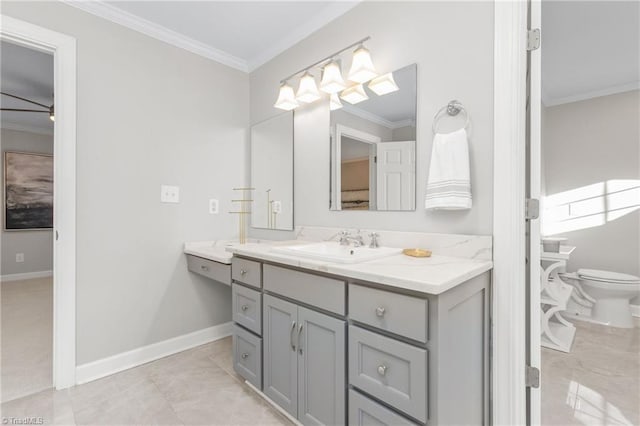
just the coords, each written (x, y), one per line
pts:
(293, 345)
(380, 311)
(244, 307)
(382, 370)
(243, 272)
(299, 334)
(245, 355)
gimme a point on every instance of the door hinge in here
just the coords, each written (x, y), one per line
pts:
(532, 209)
(57, 235)
(533, 39)
(532, 379)
(375, 159)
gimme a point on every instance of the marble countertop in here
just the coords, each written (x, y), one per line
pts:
(431, 275)
(212, 250)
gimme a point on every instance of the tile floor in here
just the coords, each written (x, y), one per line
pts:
(195, 387)
(27, 337)
(598, 383)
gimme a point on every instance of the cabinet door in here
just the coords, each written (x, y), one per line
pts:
(280, 328)
(321, 369)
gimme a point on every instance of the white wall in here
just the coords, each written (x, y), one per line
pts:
(586, 143)
(452, 43)
(148, 114)
(37, 246)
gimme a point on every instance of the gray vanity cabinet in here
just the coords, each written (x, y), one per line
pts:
(304, 362)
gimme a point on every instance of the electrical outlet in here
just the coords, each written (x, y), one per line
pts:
(277, 206)
(19, 257)
(214, 206)
(169, 194)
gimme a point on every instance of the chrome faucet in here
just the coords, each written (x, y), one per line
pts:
(346, 239)
(374, 240)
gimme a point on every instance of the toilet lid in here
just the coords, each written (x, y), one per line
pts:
(607, 276)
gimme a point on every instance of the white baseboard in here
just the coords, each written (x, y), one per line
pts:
(635, 310)
(26, 276)
(105, 367)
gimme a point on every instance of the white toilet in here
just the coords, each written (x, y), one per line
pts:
(611, 293)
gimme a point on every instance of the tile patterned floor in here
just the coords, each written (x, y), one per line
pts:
(598, 383)
(195, 387)
(27, 337)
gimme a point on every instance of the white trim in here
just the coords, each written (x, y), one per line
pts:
(509, 297)
(133, 358)
(17, 127)
(63, 48)
(620, 88)
(332, 11)
(25, 276)
(159, 32)
(635, 310)
(374, 118)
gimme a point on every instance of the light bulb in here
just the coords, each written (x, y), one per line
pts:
(383, 84)
(354, 94)
(362, 69)
(334, 102)
(332, 81)
(307, 90)
(286, 98)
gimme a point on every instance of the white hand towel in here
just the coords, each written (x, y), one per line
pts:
(449, 185)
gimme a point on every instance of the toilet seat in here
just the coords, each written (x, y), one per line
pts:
(607, 276)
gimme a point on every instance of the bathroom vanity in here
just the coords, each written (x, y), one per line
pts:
(393, 341)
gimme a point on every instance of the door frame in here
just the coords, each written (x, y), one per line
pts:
(63, 49)
(509, 402)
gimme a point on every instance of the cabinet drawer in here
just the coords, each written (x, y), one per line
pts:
(392, 312)
(247, 356)
(210, 269)
(246, 271)
(247, 307)
(322, 292)
(392, 371)
(364, 412)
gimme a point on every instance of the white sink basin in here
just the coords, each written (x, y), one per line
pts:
(334, 252)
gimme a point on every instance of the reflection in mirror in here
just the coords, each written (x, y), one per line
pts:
(373, 146)
(272, 173)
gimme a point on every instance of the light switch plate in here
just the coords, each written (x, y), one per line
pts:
(169, 194)
(214, 206)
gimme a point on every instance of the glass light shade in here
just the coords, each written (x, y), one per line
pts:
(383, 84)
(286, 98)
(332, 81)
(354, 94)
(362, 69)
(307, 90)
(334, 102)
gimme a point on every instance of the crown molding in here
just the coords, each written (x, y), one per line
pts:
(366, 115)
(159, 32)
(612, 90)
(332, 11)
(27, 128)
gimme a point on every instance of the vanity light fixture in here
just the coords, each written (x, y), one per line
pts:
(362, 69)
(383, 84)
(332, 81)
(354, 94)
(307, 90)
(286, 98)
(334, 102)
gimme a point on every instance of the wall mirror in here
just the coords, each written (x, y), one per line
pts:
(373, 149)
(272, 173)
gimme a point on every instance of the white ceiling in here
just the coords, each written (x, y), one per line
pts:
(241, 34)
(589, 49)
(29, 74)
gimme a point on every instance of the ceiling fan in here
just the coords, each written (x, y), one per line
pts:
(48, 109)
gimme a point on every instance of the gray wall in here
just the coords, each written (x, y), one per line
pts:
(148, 114)
(452, 43)
(37, 246)
(589, 142)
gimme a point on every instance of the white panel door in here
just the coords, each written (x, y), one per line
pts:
(396, 172)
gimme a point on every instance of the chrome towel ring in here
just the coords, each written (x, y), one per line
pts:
(452, 109)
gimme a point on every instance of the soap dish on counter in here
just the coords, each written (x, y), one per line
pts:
(416, 252)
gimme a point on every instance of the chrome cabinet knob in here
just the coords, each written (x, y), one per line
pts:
(244, 307)
(204, 268)
(380, 311)
(245, 355)
(382, 370)
(243, 272)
